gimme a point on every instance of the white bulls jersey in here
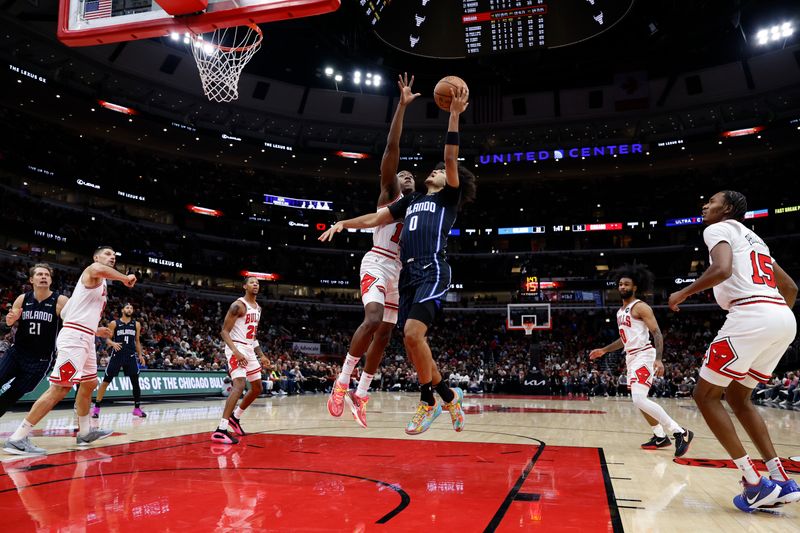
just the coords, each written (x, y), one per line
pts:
(386, 238)
(753, 278)
(246, 326)
(633, 332)
(85, 307)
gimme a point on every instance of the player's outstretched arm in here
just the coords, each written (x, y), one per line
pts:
(458, 105)
(786, 285)
(721, 269)
(97, 271)
(391, 154)
(382, 216)
(16, 311)
(600, 352)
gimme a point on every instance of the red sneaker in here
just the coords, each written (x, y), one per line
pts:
(358, 406)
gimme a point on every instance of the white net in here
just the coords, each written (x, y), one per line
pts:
(221, 56)
(528, 327)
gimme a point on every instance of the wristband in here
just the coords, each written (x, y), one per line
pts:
(452, 138)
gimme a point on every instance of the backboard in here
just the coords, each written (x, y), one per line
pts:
(94, 22)
(536, 316)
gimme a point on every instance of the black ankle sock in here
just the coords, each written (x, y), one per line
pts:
(97, 403)
(445, 392)
(426, 394)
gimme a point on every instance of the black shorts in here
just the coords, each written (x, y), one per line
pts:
(423, 285)
(26, 369)
(121, 362)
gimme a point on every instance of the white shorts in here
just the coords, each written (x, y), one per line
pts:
(379, 283)
(251, 371)
(76, 358)
(750, 344)
(641, 367)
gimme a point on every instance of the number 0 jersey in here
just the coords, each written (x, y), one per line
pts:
(634, 332)
(753, 278)
(246, 326)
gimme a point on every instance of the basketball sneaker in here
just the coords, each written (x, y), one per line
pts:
(236, 425)
(222, 436)
(790, 492)
(138, 412)
(22, 447)
(95, 412)
(682, 442)
(93, 435)
(762, 494)
(423, 418)
(456, 411)
(656, 443)
(358, 406)
(336, 399)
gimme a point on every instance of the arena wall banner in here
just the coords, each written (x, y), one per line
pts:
(308, 348)
(153, 383)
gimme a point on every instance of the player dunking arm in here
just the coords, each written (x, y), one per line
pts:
(76, 360)
(241, 348)
(425, 278)
(636, 322)
(28, 359)
(380, 275)
(758, 295)
(126, 346)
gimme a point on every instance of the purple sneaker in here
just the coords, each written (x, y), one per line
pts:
(95, 412)
(138, 412)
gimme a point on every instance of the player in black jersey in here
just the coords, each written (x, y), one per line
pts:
(425, 278)
(124, 342)
(37, 315)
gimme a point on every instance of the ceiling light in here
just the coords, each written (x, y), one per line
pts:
(174, 36)
(368, 82)
(338, 77)
(329, 71)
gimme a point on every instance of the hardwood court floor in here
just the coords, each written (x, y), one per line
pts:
(521, 464)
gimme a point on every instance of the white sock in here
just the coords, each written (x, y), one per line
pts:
(84, 424)
(22, 431)
(363, 385)
(748, 469)
(646, 405)
(658, 431)
(223, 424)
(349, 365)
(238, 412)
(776, 471)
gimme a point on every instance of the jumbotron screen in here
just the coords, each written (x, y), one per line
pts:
(470, 28)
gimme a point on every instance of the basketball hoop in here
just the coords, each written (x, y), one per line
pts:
(221, 56)
(528, 327)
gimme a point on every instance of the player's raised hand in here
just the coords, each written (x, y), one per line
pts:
(460, 100)
(406, 94)
(330, 232)
(104, 333)
(675, 299)
(658, 366)
(596, 353)
(13, 316)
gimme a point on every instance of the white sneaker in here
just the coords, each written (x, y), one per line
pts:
(93, 435)
(23, 447)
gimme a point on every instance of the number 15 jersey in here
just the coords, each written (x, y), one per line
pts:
(753, 277)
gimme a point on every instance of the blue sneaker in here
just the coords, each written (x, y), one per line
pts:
(790, 492)
(763, 494)
(423, 418)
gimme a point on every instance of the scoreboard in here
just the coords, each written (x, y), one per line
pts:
(471, 28)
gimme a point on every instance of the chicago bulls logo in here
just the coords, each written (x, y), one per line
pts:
(366, 282)
(643, 375)
(66, 371)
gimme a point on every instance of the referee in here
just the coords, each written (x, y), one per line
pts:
(37, 316)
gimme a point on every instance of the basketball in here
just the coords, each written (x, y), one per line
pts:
(442, 91)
